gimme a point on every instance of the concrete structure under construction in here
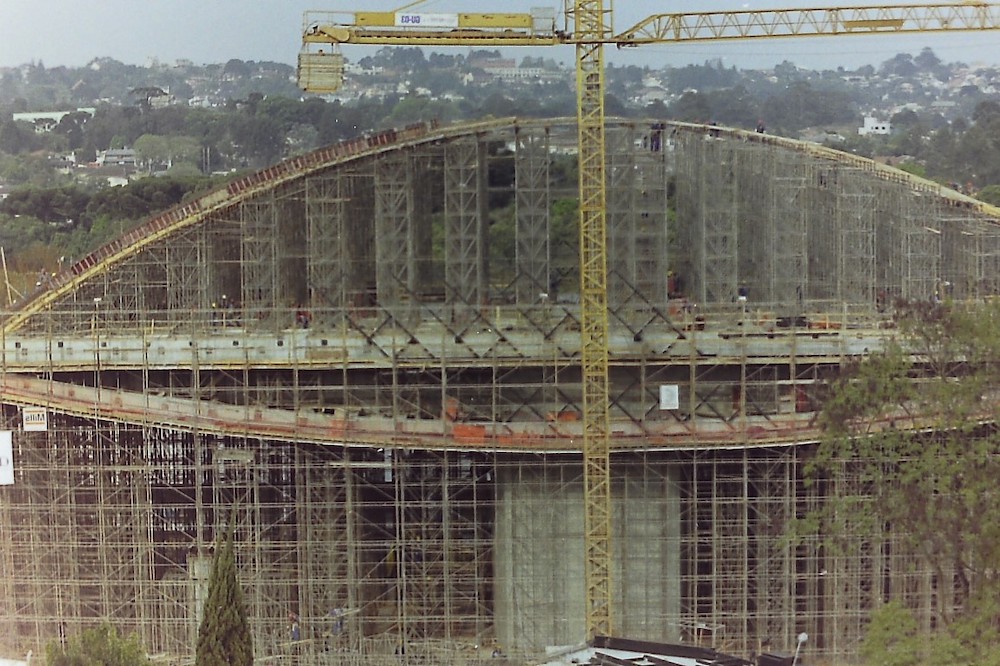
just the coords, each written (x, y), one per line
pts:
(369, 356)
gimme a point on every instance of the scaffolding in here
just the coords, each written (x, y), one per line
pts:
(369, 359)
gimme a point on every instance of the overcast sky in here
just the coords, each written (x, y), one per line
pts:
(73, 32)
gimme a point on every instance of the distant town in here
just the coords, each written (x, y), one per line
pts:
(70, 136)
(404, 84)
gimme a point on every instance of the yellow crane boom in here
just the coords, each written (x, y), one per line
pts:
(893, 19)
(321, 71)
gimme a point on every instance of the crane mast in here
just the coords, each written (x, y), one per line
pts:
(589, 29)
(592, 28)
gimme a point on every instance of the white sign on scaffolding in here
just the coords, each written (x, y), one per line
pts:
(34, 419)
(6, 458)
(669, 396)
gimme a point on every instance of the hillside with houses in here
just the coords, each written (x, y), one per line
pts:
(87, 152)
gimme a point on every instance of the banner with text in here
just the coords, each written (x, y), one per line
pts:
(34, 418)
(404, 20)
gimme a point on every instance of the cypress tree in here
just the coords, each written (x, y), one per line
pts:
(224, 635)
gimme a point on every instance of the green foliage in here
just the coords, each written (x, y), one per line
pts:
(72, 220)
(101, 646)
(260, 140)
(735, 106)
(19, 233)
(804, 105)
(56, 204)
(415, 108)
(154, 148)
(893, 638)
(702, 77)
(990, 194)
(692, 107)
(224, 635)
(911, 428)
(913, 168)
(183, 170)
(564, 172)
(862, 391)
(74, 203)
(15, 138)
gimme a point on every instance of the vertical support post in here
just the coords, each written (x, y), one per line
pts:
(531, 161)
(718, 222)
(466, 228)
(326, 230)
(394, 209)
(788, 256)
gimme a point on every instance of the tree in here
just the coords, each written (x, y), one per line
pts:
(54, 205)
(13, 138)
(915, 168)
(150, 147)
(927, 60)
(407, 59)
(801, 105)
(734, 106)
(154, 149)
(236, 69)
(72, 127)
(498, 105)
(692, 107)
(101, 645)
(261, 139)
(990, 194)
(867, 71)
(906, 118)
(899, 65)
(613, 106)
(914, 425)
(224, 635)
(414, 108)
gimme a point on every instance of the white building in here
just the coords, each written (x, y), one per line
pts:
(874, 126)
(46, 121)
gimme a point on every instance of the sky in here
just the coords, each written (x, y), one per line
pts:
(74, 32)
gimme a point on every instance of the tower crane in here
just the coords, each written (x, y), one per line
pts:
(587, 25)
